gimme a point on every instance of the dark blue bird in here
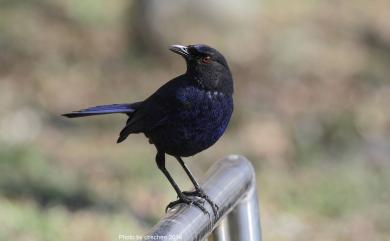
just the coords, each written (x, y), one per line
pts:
(183, 117)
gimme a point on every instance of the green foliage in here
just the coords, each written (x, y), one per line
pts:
(25, 172)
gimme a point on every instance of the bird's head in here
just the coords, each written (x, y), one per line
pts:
(208, 67)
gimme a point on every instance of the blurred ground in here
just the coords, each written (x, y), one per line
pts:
(312, 95)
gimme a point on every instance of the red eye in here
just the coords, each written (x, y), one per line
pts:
(206, 59)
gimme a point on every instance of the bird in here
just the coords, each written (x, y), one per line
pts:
(185, 116)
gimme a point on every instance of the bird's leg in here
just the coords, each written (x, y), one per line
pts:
(160, 160)
(198, 190)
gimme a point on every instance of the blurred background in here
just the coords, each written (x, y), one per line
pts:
(312, 96)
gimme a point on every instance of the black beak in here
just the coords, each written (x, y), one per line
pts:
(180, 49)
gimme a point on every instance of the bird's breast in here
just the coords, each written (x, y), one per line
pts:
(203, 107)
(198, 121)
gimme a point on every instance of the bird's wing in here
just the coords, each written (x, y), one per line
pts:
(155, 110)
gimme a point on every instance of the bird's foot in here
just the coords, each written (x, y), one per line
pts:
(190, 201)
(200, 193)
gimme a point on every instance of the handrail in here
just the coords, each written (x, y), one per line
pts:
(231, 184)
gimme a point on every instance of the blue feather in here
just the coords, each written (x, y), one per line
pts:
(103, 109)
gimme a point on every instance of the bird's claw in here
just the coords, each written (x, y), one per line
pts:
(190, 201)
(200, 193)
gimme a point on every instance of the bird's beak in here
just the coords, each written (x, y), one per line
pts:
(180, 49)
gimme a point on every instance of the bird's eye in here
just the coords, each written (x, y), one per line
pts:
(206, 59)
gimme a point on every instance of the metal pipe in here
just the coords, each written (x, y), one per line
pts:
(244, 221)
(221, 232)
(226, 183)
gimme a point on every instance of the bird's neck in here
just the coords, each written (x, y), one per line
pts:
(213, 82)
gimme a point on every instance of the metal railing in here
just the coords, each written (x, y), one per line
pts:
(231, 184)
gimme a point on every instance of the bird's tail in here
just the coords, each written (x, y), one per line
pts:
(104, 109)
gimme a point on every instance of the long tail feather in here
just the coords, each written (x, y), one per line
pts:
(103, 109)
